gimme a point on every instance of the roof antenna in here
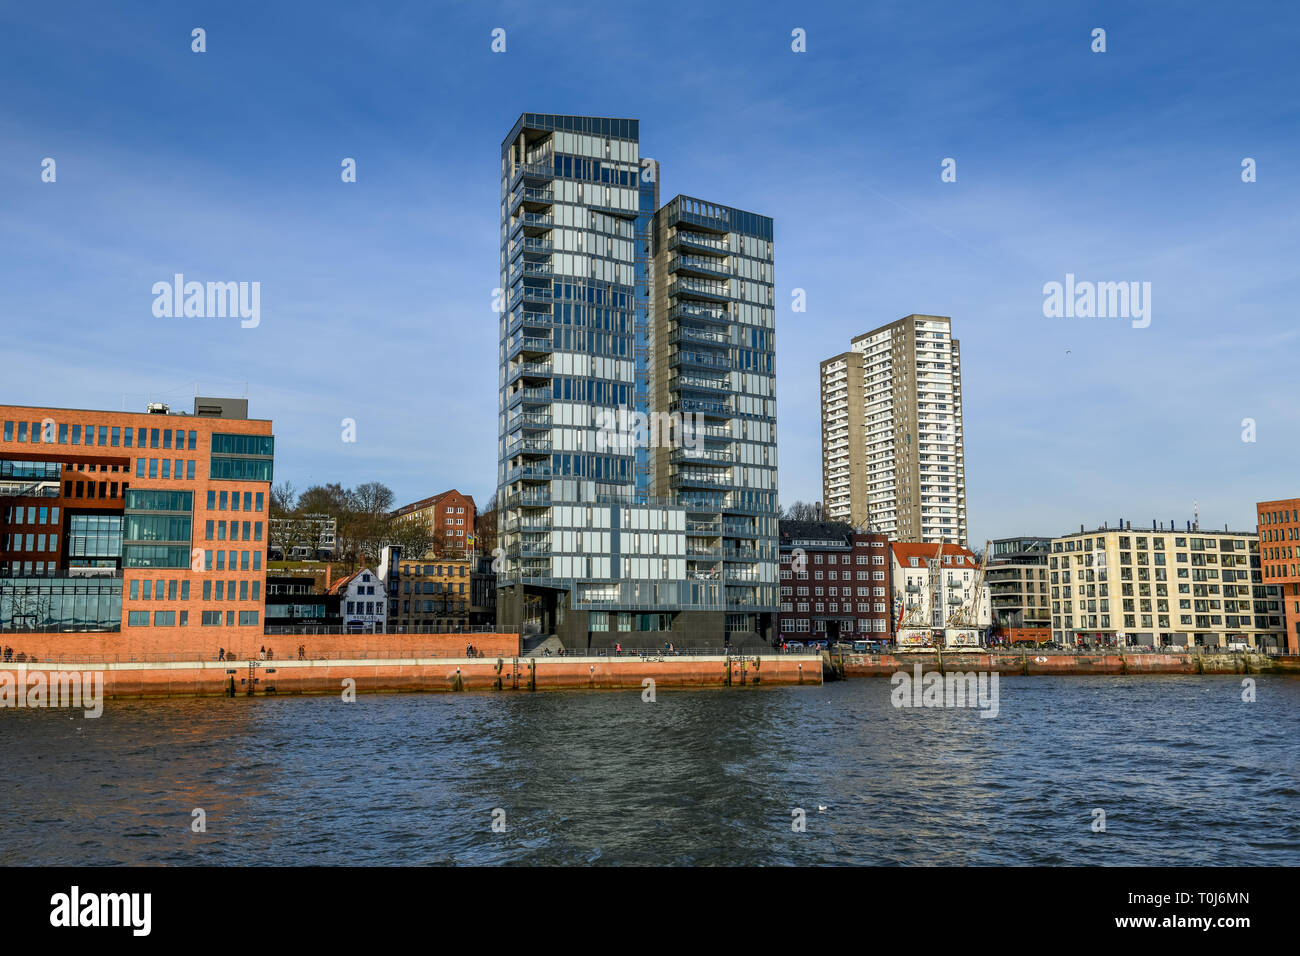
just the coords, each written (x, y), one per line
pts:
(1196, 515)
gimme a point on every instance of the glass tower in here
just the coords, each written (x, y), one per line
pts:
(596, 510)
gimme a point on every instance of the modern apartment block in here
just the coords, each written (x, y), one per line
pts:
(710, 364)
(939, 598)
(1017, 578)
(147, 524)
(636, 469)
(835, 583)
(1163, 587)
(1279, 552)
(893, 454)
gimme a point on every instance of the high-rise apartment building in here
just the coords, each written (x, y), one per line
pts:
(893, 454)
(1163, 587)
(151, 525)
(636, 466)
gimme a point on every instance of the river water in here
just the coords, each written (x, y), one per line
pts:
(1186, 772)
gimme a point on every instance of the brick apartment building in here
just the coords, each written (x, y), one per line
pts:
(835, 583)
(1279, 559)
(450, 514)
(146, 525)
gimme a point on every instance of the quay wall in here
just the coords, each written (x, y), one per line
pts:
(293, 677)
(1031, 664)
(158, 644)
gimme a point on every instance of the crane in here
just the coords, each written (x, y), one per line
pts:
(967, 615)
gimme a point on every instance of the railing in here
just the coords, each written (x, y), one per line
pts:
(696, 239)
(544, 168)
(699, 263)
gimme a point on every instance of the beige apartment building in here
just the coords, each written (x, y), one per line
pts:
(893, 454)
(1162, 587)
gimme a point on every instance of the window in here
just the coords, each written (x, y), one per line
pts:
(164, 618)
(137, 619)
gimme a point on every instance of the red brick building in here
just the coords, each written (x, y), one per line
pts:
(451, 515)
(835, 583)
(148, 525)
(1279, 559)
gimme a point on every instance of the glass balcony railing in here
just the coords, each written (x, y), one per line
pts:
(700, 288)
(704, 408)
(698, 240)
(699, 265)
(699, 336)
(700, 381)
(693, 312)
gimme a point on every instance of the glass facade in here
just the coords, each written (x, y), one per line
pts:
(712, 336)
(94, 536)
(602, 332)
(61, 604)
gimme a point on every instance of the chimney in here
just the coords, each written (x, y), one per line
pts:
(328, 569)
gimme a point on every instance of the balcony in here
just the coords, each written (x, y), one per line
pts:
(529, 345)
(534, 224)
(529, 421)
(686, 334)
(703, 529)
(530, 499)
(530, 371)
(700, 382)
(704, 455)
(530, 270)
(529, 473)
(701, 479)
(698, 242)
(543, 170)
(530, 319)
(702, 266)
(693, 312)
(533, 198)
(532, 247)
(701, 360)
(533, 396)
(529, 447)
(700, 289)
(702, 503)
(707, 409)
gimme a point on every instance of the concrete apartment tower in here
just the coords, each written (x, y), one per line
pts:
(892, 448)
(621, 521)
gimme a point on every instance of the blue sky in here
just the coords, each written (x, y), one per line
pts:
(376, 296)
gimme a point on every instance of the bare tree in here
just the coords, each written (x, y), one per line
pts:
(801, 511)
(284, 499)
